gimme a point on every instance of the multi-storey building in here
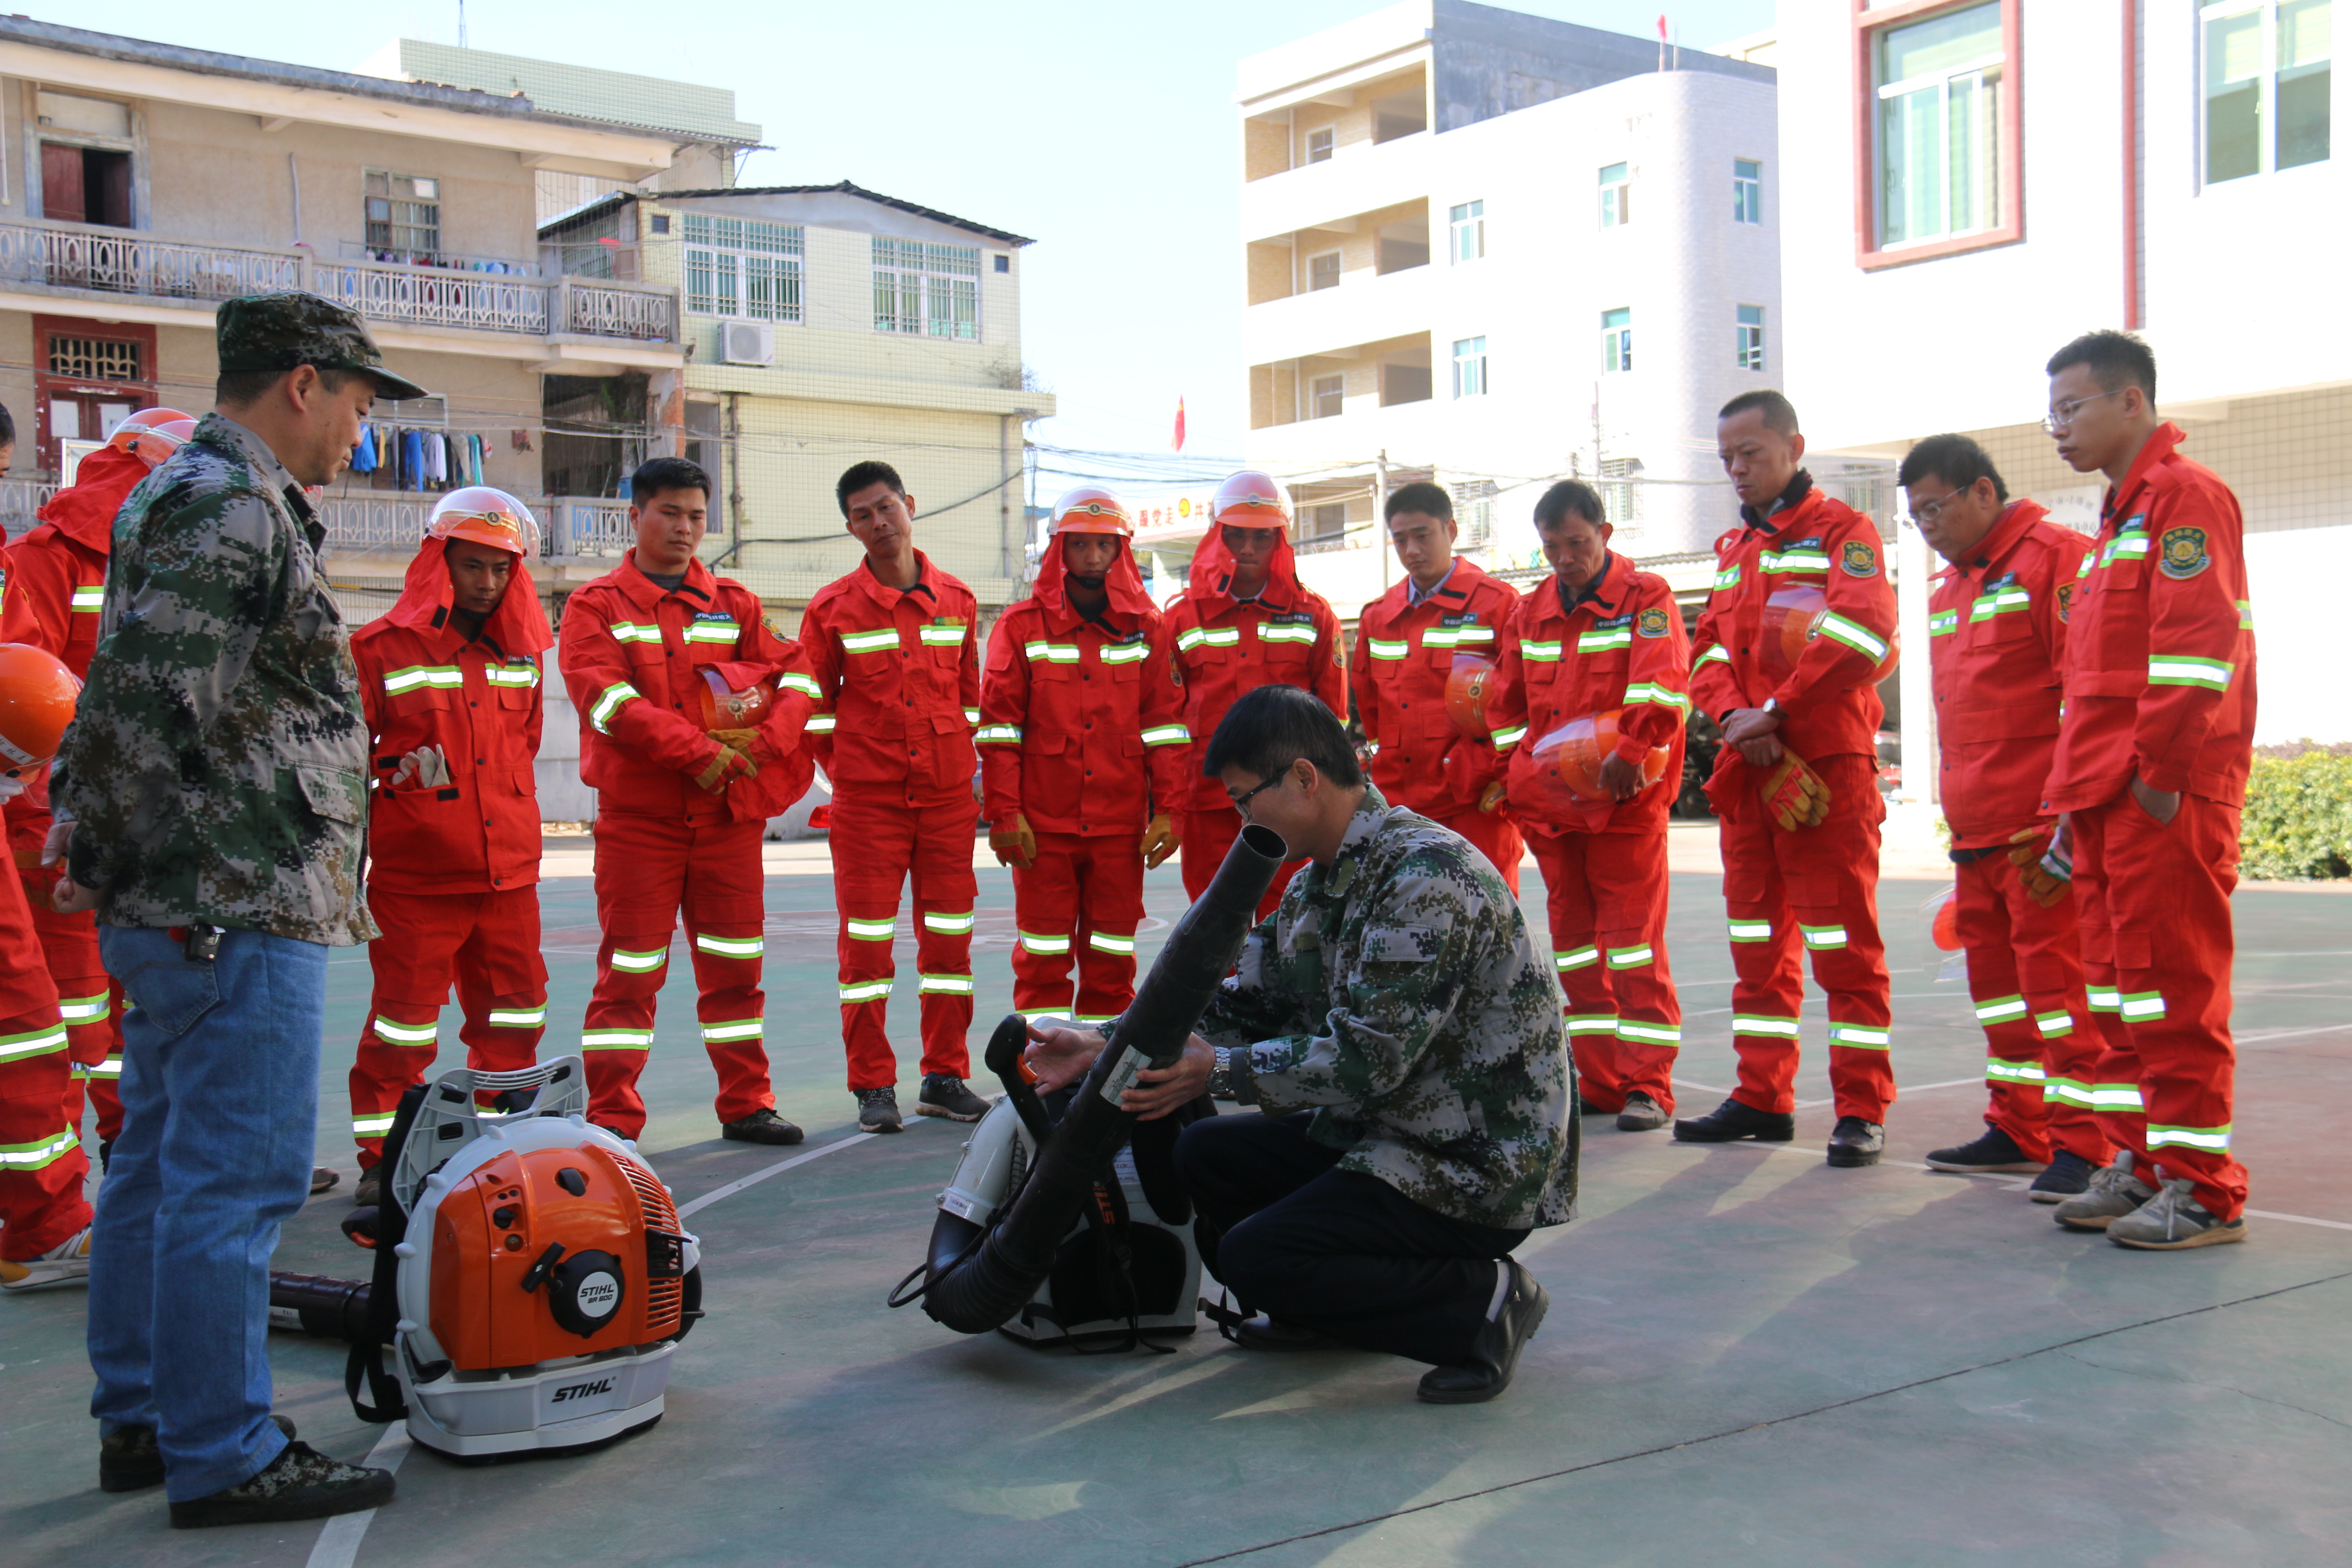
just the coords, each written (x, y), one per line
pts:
(1500, 250)
(828, 324)
(1973, 185)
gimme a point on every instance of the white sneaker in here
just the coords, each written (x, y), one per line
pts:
(61, 1265)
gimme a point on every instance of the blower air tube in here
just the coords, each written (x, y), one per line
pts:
(973, 1289)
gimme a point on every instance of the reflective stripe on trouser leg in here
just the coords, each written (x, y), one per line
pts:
(42, 1167)
(1838, 860)
(1044, 914)
(1624, 1017)
(2023, 965)
(2108, 1079)
(1109, 874)
(724, 909)
(1768, 986)
(944, 890)
(397, 1045)
(872, 844)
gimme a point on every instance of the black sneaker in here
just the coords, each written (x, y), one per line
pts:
(105, 1156)
(762, 1126)
(129, 1461)
(1994, 1150)
(2068, 1175)
(300, 1483)
(1640, 1114)
(1496, 1354)
(1732, 1121)
(877, 1109)
(1854, 1142)
(945, 1095)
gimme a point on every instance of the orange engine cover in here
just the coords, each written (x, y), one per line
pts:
(492, 1228)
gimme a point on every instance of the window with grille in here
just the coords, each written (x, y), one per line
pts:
(1751, 337)
(1329, 398)
(1327, 520)
(1616, 196)
(1474, 512)
(94, 359)
(1620, 491)
(1469, 231)
(1616, 340)
(404, 216)
(2267, 86)
(740, 267)
(1747, 191)
(1470, 367)
(1323, 271)
(1938, 84)
(1318, 144)
(930, 290)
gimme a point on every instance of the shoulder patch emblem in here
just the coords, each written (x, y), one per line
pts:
(1858, 559)
(1652, 622)
(774, 630)
(2066, 599)
(2182, 553)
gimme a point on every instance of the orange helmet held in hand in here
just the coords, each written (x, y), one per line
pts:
(1792, 618)
(153, 435)
(1465, 694)
(1572, 755)
(485, 516)
(1090, 508)
(1251, 499)
(37, 694)
(726, 709)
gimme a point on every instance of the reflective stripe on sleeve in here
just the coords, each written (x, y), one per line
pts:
(804, 684)
(1662, 696)
(1506, 739)
(609, 703)
(998, 735)
(820, 724)
(2178, 669)
(89, 600)
(1167, 735)
(1855, 637)
(1714, 655)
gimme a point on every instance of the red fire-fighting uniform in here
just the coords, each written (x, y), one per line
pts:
(1288, 636)
(1618, 646)
(1082, 735)
(2160, 686)
(42, 1166)
(56, 583)
(1404, 651)
(898, 678)
(634, 657)
(1815, 887)
(1996, 637)
(453, 868)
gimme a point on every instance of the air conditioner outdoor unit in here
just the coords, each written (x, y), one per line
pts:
(747, 342)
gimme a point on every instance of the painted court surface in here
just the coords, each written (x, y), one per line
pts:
(1749, 1355)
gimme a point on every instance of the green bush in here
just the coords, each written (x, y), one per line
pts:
(2297, 824)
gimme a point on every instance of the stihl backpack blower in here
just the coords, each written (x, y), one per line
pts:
(531, 1280)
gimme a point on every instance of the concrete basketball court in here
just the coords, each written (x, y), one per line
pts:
(1749, 1356)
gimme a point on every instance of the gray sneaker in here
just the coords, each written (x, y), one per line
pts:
(877, 1109)
(2114, 1192)
(2173, 1220)
(300, 1483)
(944, 1094)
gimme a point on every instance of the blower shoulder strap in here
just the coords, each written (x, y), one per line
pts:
(383, 1320)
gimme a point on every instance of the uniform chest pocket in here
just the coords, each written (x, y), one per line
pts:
(1125, 671)
(1399, 944)
(516, 696)
(410, 694)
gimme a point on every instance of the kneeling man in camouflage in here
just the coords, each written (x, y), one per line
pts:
(1400, 1034)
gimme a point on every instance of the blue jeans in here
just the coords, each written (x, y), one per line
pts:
(220, 1104)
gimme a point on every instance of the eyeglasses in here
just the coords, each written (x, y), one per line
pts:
(2062, 417)
(1241, 801)
(1924, 513)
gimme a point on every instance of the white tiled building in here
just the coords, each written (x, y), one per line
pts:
(1498, 250)
(1970, 185)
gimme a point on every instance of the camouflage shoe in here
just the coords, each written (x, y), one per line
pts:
(300, 1483)
(2114, 1192)
(129, 1461)
(2173, 1220)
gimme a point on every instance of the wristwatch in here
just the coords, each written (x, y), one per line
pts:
(1772, 706)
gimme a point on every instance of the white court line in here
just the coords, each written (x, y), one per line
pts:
(2291, 1034)
(339, 1539)
(732, 1188)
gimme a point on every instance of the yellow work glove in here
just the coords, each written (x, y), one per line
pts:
(742, 739)
(1015, 845)
(1492, 799)
(1159, 840)
(2046, 876)
(724, 769)
(1794, 796)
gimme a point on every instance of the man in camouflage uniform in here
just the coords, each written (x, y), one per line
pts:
(1403, 1035)
(209, 797)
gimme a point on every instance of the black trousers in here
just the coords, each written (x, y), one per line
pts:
(1336, 1251)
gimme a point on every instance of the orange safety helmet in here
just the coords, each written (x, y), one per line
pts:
(1792, 618)
(153, 435)
(1251, 499)
(486, 516)
(1090, 508)
(37, 694)
(1465, 694)
(1570, 757)
(724, 707)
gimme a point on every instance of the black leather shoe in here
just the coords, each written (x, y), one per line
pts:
(1496, 1356)
(129, 1461)
(1731, 1120)
(762, 1126)
(1856, 1142)
(1640, 1114)
(1263, 1333)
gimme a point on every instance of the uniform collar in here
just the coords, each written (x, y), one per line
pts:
(1604, 593)
(268, 473)
(1451, 594)
(2159, 444)
(1371, 815)
(645, 593)
(1800, 491)
(1414, 598)
(2016, 520)
(887, 596)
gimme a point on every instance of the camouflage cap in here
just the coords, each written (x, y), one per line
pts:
(279, 331)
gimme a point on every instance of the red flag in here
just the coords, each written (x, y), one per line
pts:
(1662, 26)
(1177, 444)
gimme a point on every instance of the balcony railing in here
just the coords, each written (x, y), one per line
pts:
(117, 261)
(570, 525)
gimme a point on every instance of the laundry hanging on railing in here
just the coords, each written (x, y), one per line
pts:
(418, 459)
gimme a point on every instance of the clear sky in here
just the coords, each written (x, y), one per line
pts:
(1105, 131)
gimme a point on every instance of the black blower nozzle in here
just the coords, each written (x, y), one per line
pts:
(973, 1289)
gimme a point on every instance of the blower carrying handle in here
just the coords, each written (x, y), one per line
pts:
(1007, 1059)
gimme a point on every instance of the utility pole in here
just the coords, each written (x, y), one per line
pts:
(1379, 505)
(735, 478)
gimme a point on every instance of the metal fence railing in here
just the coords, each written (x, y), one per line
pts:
(570, 525)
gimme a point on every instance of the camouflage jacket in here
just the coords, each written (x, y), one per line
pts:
(216, 764)
(1399, 992)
